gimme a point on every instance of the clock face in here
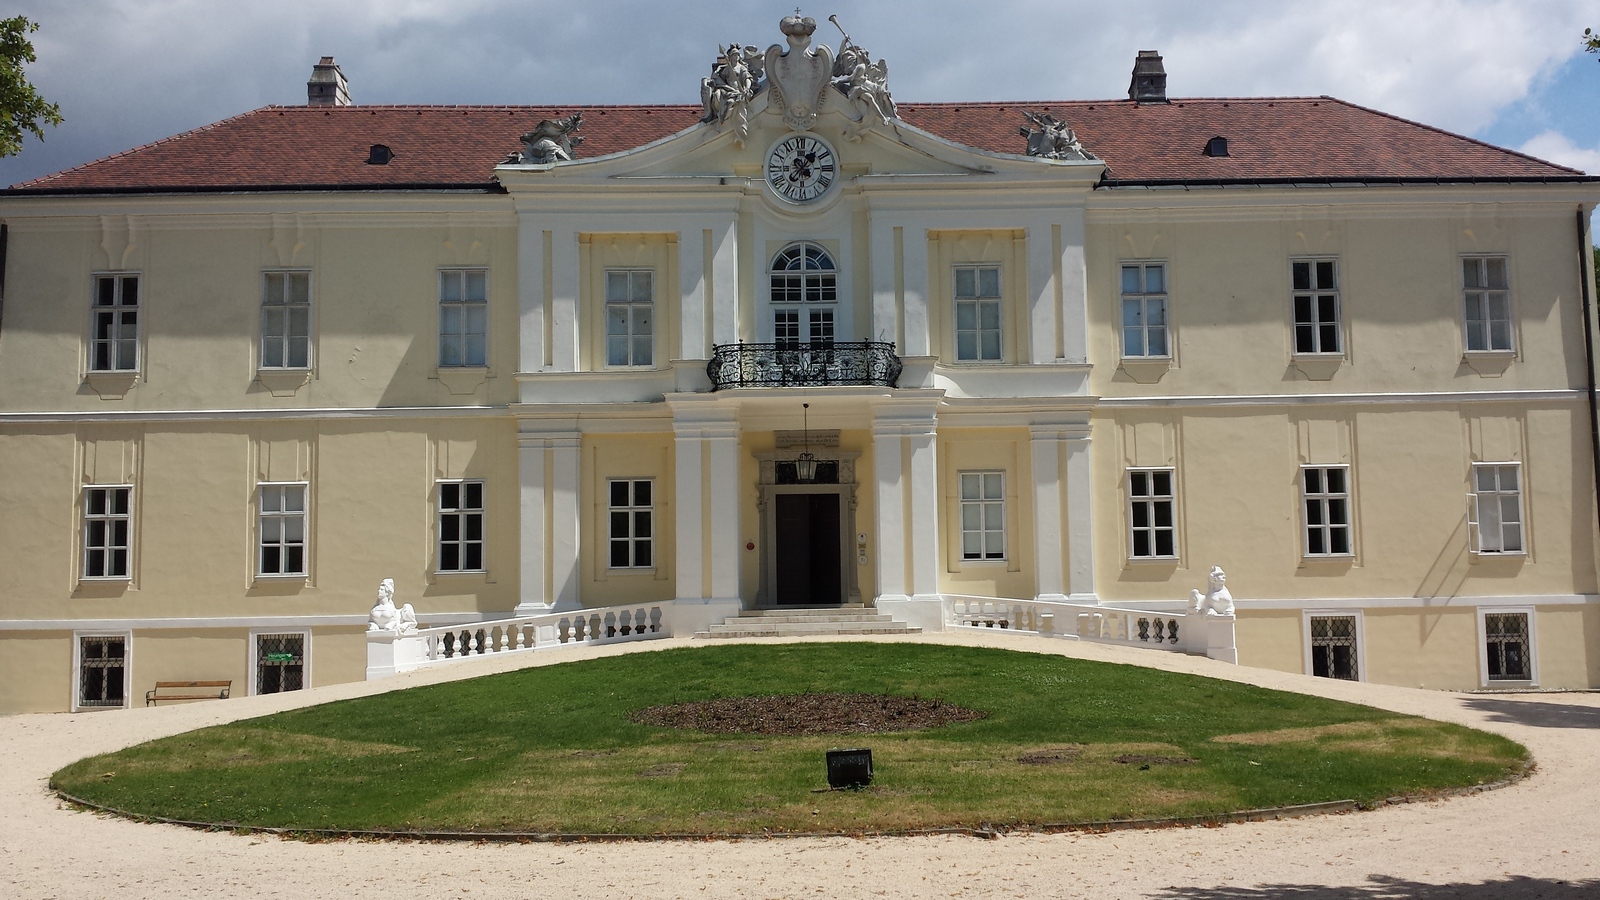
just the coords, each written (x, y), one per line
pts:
(801, 168)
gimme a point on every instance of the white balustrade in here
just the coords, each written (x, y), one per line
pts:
(388, 653)
(1182, 632)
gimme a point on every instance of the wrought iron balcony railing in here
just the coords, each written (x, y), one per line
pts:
(803, 365)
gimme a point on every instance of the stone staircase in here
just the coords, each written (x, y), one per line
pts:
(793, 622)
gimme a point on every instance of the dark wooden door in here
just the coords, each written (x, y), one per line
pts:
(808, 550)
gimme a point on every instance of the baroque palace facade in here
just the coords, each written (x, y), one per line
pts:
(796, 346)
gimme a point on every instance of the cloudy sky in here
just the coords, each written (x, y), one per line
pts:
(125, 72)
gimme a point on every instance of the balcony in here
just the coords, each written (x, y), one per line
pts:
(814, 365)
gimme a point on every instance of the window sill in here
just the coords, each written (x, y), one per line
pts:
(1145, 369)
(287, 576)
(1153, 560)
(1489, 363)
(460, 573)
(983, 562)
(1317, 366)
(111, 385)
(283, 382)
(631, 570)
(461, 381)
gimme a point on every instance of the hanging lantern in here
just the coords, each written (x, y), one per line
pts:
(805, 465)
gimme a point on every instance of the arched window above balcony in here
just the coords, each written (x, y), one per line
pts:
(805, 295)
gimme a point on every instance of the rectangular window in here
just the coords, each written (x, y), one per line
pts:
(786, 329)
(102, 671)
(461, 526)
(631, 525)
(1486, 292)
(1152, 514)
(286, 320)
(978, 313)
(1495, 508)
(280, 662)
(107, 521)
(1325, 491)
(983, 515)
(630, 317)
(1333, 647)
(283, 529)
(114, 344)
(1507, 646)
(463, 317)
(1316, 306)
(1144, 310)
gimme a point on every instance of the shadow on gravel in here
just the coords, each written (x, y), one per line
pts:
(1383, 888)
(1536, 713)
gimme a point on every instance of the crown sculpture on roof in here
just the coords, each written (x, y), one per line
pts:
(1051, 138)
(552, 140)
(797, 80)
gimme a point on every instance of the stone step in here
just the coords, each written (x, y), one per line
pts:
(797, 630)
(856, 609)
(766, 620)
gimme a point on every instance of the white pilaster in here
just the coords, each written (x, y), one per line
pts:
(530, 295)
(547, 463)
(724, 282)
(694, 290)
(885, 300)
(914, 258)
(1049, 552)
(565, 279)
(1074, 290)
(706, 494)
(923, 538)
(1080, 515)
(904, 460)
(888, 467)
(1044, 311)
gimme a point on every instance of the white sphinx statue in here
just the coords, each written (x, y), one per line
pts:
(385, 616)
(1216, 601)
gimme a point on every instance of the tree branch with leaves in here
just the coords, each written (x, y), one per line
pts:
(21, 107)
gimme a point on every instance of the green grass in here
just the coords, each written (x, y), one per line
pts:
(551, 749)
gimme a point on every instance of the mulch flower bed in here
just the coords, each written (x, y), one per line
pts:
(802, 714)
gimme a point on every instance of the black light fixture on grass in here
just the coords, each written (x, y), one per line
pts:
(849, 768)
(805, 465)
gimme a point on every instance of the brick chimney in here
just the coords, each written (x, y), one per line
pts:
(327, 86)
(1149, 84)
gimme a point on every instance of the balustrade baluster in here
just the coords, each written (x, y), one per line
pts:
(1144, 629)
(655, 619)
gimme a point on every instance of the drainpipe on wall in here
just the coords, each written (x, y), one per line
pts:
(1586, 276)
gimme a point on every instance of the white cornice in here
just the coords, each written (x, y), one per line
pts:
(244, 415)
(326, 208)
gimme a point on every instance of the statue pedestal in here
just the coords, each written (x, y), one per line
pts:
(389, 653)
(1220, 638)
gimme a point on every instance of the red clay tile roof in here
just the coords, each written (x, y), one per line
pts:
(457, 147)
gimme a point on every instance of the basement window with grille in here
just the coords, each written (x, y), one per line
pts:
(280, 662)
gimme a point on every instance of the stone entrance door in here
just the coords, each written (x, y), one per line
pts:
(808, 550)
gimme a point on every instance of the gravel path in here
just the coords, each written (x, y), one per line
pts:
(1539, 838)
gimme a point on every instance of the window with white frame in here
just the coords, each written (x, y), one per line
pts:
(1144, 310)
(1333, 647)
(631, 523)
(102, 671)
(460, 526)
(1152, 514)
(1486, 296)
(280, 662)
(282, 527)
(1316, 307)
(1495, 509)
(978, 333)
(463, 317)
(630, 317)
(286, 320)
(107, 526)
(1507, 647)
(1325, 493)
(983, 515)
(805, 296)
(114, 338)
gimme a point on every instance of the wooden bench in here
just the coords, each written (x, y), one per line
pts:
(193, 690)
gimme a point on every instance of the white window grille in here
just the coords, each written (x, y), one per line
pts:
(463, 317)
(107, 527)
(805, 293)
(286, 320)
(1507, 647)
(983, 515)
(630, 317)
(978, 331)
(114, 342)
(1325, 493)
(102, 671)
(282, 524)
(1316, 307)
(1486, 294)
(1494, 509)
(1144, 310)
(1152, 514)
(631, 523)
(1333, 647)
(460, 526)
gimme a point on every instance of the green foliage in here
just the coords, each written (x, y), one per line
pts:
(1591, 41)
(552, 749)
(21, 107)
